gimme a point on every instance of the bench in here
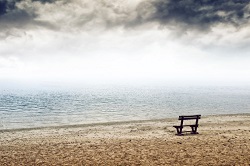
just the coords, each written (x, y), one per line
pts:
(193, 126)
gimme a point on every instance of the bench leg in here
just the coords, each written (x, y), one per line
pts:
(194, 130)
(179, 130)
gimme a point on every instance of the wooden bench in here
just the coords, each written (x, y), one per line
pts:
(193, 126)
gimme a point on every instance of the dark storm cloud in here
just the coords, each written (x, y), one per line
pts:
(13, 17)
(200, 14)
(91, 14)
(7, 6)
(44, 1)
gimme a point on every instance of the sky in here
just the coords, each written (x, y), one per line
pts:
(169, 42)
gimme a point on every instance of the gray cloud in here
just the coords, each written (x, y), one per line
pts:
(16, 17)
(44, 1)
(6, 6)
(85, 15)
(199, 14)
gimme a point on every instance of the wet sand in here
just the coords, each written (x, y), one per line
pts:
(223, 140)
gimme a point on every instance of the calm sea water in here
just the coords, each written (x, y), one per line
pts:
(38, 108)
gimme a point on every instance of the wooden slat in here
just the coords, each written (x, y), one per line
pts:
(193, 125)
(189, 117)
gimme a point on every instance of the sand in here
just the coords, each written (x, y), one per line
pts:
(222, 140)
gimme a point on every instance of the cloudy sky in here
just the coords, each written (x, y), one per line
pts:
(194, 42)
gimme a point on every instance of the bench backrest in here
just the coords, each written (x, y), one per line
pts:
(189, 117)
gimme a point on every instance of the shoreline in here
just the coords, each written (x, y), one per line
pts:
(222, 140)
(111, 123)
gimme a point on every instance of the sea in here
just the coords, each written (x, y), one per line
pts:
(32, 108)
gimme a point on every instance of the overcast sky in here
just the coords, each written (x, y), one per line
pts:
(175, 42)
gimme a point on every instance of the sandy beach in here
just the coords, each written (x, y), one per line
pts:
(222, 140)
